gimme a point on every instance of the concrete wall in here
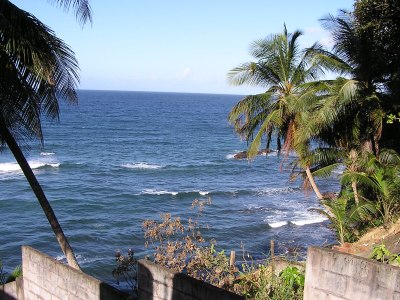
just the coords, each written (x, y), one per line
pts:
(158, 283)
(336, 275)
(46, 278)
(12, 290)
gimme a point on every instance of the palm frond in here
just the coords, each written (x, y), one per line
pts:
(83, 11)
(38, 68)
(326, 171)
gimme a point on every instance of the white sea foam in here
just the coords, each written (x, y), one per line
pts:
(298, 221)
(272, 153)
(203, 193)
(46, 153)
(79, 258)
(314, 220)
(275, 191)
(155, 192)
(64, 259)
(339, 170)
(231, 156)
(278, 224)
(14, 167)
(142, 165)
(9, 167)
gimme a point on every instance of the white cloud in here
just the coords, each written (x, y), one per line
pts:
(183, 74)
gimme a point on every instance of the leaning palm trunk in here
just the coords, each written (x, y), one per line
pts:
(313, 184)
(44, 203)
(355, 192)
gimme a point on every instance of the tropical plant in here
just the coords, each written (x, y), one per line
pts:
(255, 281)
(350, 114)
(347, 118)
(380, 182)
(346, 216)
(381, 253)
(36, 69)
(284, 69)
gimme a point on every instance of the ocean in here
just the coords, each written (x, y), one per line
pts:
(119, 158)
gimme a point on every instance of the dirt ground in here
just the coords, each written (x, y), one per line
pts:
(390, 237)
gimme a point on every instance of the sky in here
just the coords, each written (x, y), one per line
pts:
(177, 45)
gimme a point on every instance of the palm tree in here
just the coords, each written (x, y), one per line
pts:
(348, 114)
(284, 70)
(352, 104)
(36, 69)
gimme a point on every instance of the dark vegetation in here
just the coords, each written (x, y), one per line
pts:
(349, 122)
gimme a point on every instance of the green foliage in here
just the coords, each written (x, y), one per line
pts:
(283, 68)
(391, 118)
(254, 281)
(292, 277)
(382, 254)
(335, 211)
(379, 22)
(211, 266)
(259, 283)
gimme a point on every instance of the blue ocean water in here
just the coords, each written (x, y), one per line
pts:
(119, 158)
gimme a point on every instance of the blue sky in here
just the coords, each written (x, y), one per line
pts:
(177, 45)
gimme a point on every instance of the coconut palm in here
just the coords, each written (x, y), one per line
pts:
(283, 69)
(348, 114)
(353, 103)
(36, 69)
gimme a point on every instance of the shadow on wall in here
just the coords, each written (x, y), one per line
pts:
(188, 288)
(110, 293)
(145, 283)
(6, 296)
(157, 282)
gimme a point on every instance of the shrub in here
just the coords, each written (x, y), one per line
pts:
(126, 269)
(180, 246)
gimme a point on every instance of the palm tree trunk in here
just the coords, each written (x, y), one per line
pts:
(41, 197)
(355, 192)
(313, 184)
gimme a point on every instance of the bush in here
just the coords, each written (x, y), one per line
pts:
(180, 246)
(126, 269)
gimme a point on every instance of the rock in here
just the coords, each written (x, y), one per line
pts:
(243, 154)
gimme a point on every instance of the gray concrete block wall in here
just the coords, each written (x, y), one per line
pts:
(158, 283)
(46, 278)
(336, 275)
